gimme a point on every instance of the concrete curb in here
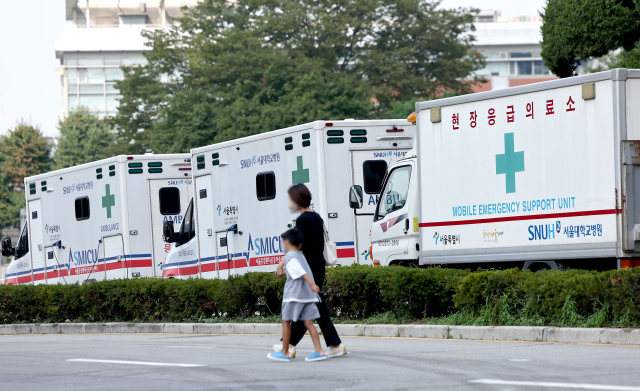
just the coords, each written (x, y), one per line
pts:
(487, 333)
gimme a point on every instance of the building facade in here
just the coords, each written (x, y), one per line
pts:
(511, 46)
(101, 36)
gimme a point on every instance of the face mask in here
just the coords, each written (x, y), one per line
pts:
(293, 206)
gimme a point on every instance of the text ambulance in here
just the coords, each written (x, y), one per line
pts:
(100, 220)
(538, 175)
(240, 194)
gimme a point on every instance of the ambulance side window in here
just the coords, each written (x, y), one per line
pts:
(82, 208)
(373, 173)
(188, 229)
(266, 186)
(169, 201)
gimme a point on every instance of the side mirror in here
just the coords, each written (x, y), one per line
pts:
(355, 197)
(168, 233)
(7, 250)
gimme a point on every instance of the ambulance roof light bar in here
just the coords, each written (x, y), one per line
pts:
(129, 157)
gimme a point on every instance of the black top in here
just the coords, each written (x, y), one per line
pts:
(310, 224)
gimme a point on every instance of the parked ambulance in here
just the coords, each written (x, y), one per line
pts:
(100, 220)
(540, 175)
(240, 207)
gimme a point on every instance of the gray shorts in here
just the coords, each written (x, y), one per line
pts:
(296, 311)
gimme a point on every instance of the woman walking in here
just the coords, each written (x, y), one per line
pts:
(310, 224)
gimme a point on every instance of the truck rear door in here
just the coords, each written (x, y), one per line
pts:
(204, 222)
(169, 200)
(36, 236)
(368, 168)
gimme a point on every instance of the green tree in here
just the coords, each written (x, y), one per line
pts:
(406, 49)
(83, 138)
(232, 69)
(23, 152)
(576, 30)
(11, 201)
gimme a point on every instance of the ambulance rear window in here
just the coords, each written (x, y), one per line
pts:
(266, 186)
(82, 208)
(373, 173)
(169, 200)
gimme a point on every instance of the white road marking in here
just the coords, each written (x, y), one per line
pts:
(158, 364)
(519, 359)
(578, 386)
(193, 346)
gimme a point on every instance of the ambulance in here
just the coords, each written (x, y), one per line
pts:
(100, 220)
(540, 176)
(239, 209)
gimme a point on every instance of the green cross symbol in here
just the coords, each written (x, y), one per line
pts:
(301, 175)
(108, 201)
(509, 163)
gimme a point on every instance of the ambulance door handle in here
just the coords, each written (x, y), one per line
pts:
(406, 226)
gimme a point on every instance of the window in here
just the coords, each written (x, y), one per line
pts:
(92, 102)
(373, 173)
(90, 61)
(92, 88)
(539, 68)
(82, 75)
(266, 186)
(22, 247)
(520, 55)
(95, 75)
(188, 229)
(113, 74)
(525, 68)
(73, 101)
(82, 208)
(394, 196)
(112, 102)
(72, 75)
(169, 200)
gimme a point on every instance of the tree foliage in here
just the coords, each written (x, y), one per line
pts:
(233, 69)
(83, 138)
(576, 30)
(23, 152)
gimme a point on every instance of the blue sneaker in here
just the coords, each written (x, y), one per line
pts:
(279, 356)
(316, 357)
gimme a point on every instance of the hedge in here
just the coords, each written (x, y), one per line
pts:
(351, 292)
(571, 298)
(436, 295)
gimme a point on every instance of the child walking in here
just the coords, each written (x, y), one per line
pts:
(299, 298)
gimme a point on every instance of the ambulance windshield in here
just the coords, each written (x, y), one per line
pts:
(394, 195)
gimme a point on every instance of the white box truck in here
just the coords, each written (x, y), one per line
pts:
(100, 220)
(538, 175)
(240, 187)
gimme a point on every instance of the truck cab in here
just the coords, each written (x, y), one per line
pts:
(19, 270)
(394, 233)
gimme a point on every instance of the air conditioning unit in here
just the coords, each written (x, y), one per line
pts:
(503, 55)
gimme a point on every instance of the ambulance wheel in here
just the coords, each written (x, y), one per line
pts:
(540, 266)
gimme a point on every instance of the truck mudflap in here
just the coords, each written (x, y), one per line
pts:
(631, 196)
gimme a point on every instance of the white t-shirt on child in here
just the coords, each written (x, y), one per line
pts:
(295, 268)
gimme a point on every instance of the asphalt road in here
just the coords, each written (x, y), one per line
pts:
(206, 362)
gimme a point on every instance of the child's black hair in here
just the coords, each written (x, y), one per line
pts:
(293, 236)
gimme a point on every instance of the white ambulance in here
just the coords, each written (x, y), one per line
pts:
(538, 175)
(100, 220)
(240, 187)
